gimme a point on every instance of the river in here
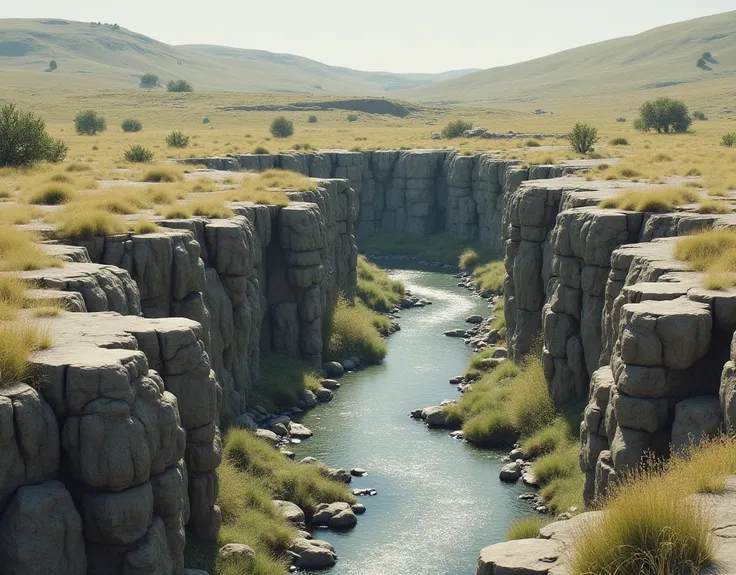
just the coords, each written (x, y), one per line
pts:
(439, 500)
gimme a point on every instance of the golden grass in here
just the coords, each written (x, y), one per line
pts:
(18, 214)
(209, 208)
(469, 259)
(51, 195)
(78, 221)
(713, 207)
(203, 186)
(650, 525)
(142, 227)
(287, 180)
(525, 528)
(651, 200)
(355, 331)
(162, 174)
(19, 251)
(18, 339)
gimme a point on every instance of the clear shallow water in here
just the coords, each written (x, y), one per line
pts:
(439, 500)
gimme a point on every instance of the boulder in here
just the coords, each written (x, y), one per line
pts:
(474, 319)
(309, 399)
(511, 472)
(334, 515)
(268, 436)
(290, 511)
(341, 475)
(696, 418)
(310, 555)
(500, 353)
(237, 551)
(358, 508)
(520, 557)
(434, 416)
(358, 472)
(454, 333)
(299, 431)
(280, 429)
(333, 369)
(330, 384)
(245, 421)
(323, 395)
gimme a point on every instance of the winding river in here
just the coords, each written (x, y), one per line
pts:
(439, 500)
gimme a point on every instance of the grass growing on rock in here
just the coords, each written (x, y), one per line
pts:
(162, 174)
(283, 380)
(525, 528)
(19, 251)
(78, 221)
(251, 475)
(650, 524)
(653, 200)
(355, 331)
(375, 288)
(490, 276)
(18, 339)
(712, 252)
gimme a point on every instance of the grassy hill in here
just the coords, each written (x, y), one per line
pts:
(104, 56)
(645, 63)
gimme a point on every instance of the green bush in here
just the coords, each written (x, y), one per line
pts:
(312, 119)
(583, 138)
(352, 117)
(179, 86)
(177, 140)
(700, 63)
(205, 120)
(532, 144)
(698, 115)
(138, 154)
(89, 123)
(131, 126)
(149, 81)
(282, 127)
(456, 128)
(24, 140)
(260, 150)
(664, 115)
(729, 140)
(469, 259)
(53, 65)
(52, 195)
(355, 331)
(490, 277)
(619, 142)
(375, 289)
(621, 119)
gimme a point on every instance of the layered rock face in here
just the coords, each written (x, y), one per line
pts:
(419, 192)
(621, 321)
(113, 448)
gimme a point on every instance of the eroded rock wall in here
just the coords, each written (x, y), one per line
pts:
(418, 192)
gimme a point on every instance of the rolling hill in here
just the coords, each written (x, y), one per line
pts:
(658, 58)
(112, 57)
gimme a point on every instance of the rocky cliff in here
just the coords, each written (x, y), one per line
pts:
(113, 447)
(418, 192)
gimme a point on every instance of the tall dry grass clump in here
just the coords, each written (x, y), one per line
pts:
(713, 252)
(651, 524)
(79, 221)
(355, 331)
(19, 251)
(375, 288)
(469, 259)
(653, 200)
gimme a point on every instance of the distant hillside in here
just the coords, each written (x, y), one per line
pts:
(113, 57)
(658, 58)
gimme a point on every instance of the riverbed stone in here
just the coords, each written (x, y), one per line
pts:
(238, 551)
(299, 431)
(290, 511)
(520, 557)
(309, 554)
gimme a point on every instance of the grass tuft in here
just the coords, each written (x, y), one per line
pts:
(52, 195)
(355, 331)
(162, 174)
(375, 289)
(654, 200)
(525, 528)
(80, 222)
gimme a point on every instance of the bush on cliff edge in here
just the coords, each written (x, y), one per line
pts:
(355, 331)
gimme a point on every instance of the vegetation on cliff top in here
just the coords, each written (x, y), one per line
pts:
(651, 200)
(252, 474)
(713, 252)
(650, 524)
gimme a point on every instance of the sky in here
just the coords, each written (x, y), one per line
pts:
(388, 35)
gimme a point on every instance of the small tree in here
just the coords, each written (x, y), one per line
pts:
(707, 56)
(455, 129)
(24, 140)
(138, 154)
(177, 140)
(149, 80)
(282, 127)
(700, 63)
(312, 119)
(621, 119)
(205, 120)
(729, 140)
(664, 115)
(53, 65)
(352, 117)
(89, 123)
(131, 126)
(698, 115)
(583, 138)
(179, 86)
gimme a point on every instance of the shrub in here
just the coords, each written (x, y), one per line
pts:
(205, 120)
(89, 123)
(179, 86)
(655, 200)
(312, 119)
(138, 154)
(700, 63)
(664, 115)
(131, 126)
(729, 140)
(52, 195)
(19, 251)
(532, 144)
(149, 80)
(456, 128)
(583, 138)
(698, 115)
(83, 223)
(525, 528)
(619, 142)
(161, 174)
(469, 259)
(24, 140)
(621, 120)
(282, 127)
(210, 208)
(142, 227)
(261, 150)
(490, 276)
(177, 140)
(707, 56)
(713, 207)
(352, 117)
(354, 332)
(53, 65)
(18, 339)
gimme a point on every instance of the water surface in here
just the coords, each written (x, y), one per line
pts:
(439, 500)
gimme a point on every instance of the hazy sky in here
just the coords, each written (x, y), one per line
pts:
(393, 35)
